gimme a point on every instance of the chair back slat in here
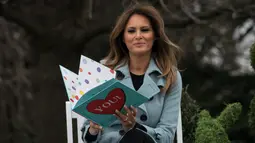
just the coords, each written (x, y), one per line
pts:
(80, 121)
(179, 128)
(69, 121)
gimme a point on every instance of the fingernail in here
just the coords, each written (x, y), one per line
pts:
(125, 106)
(132, 106)
(116, 111)
(129, 122)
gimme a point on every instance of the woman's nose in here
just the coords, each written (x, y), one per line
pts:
(138, 35)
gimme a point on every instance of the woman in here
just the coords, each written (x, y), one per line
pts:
(145, 60)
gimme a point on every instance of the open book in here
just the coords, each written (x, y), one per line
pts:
(95, 93)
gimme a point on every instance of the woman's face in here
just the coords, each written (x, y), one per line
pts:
(138, 35)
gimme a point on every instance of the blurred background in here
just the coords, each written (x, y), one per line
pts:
(36, 36)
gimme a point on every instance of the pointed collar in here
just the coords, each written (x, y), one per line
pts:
(124, 68)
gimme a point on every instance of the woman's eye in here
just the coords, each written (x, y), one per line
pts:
(131, 31)
(145, 30)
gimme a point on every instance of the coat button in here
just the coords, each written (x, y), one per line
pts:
(158, 136)
(151, 98)
(121, 132)
(143, 118)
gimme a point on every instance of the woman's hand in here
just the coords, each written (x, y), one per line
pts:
(128, 121)
(94, 128)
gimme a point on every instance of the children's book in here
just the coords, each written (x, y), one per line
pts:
(95, 93)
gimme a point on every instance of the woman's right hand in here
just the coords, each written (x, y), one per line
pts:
(94, 128)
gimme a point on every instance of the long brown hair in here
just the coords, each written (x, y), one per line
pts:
(166, 52)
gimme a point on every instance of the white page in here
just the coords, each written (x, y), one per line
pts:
(92, 74)
(70, 80)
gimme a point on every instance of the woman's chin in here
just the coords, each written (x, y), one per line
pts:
(140, 52)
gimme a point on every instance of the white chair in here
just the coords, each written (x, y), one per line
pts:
(70, 115)
(179, 128)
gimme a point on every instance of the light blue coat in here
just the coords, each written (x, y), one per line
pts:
(161, 111)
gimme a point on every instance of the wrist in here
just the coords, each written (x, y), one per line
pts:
(93, 131)
(140, 126)
(126, 129)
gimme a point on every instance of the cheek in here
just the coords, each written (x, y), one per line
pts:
(128, 38)
(128, 41)
(150, 39)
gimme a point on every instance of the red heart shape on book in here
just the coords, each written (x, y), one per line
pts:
(114, 100)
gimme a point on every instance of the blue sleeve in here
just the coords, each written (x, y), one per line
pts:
(166, 128)
(86, 136)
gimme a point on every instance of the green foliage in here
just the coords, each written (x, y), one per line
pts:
(213, 130)
(209, 130)
(252, 56)
(190, 111)
(252, 114)
(230, 115)
(204, 115)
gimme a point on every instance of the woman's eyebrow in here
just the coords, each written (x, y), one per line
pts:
(131, 27)
(146, 26)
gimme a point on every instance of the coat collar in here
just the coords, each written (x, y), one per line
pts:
(151, 85)
(124, 68)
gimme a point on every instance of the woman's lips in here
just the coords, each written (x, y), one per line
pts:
(139, 44)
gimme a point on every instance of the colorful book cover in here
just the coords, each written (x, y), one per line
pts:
(95, 93)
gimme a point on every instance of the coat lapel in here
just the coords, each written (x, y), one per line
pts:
(151, 83)
(148, 89)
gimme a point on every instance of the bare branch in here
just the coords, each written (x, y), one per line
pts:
(4, 1)
(90, 9)
(15, 81)
(23, 20)
(128, 3)
(186, 10)
(163, 5)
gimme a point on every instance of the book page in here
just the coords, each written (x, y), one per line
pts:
(70, 81)
(92, 74)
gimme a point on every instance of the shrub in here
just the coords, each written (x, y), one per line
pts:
(252, 114)
(213, 130)
(252, 56)
(190, 111)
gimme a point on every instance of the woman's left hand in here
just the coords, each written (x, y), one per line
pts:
(128, 121)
